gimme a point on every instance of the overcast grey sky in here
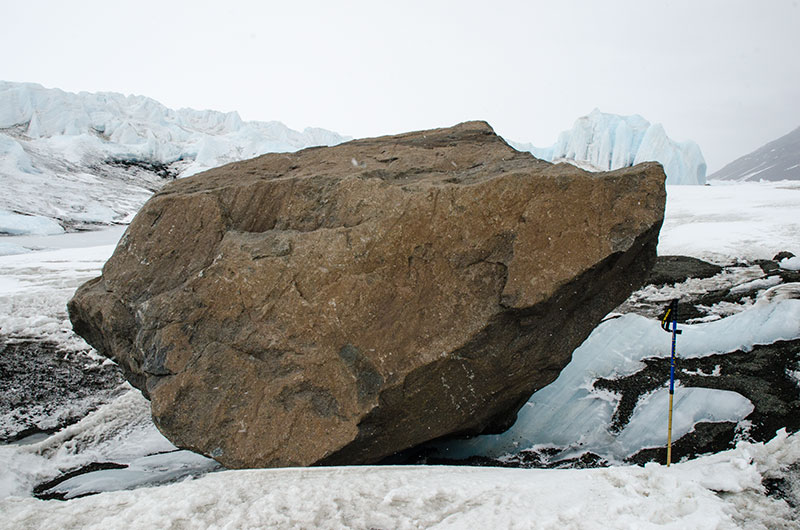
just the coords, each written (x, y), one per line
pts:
(723, 73)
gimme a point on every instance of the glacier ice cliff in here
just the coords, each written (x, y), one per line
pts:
(602, 142)
(89, 158)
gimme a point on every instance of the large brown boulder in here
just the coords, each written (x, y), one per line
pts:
(338, 304)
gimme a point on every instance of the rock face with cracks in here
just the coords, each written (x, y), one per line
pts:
(337, 305)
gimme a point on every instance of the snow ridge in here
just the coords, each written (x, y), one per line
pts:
(609, 141)
(96, 157)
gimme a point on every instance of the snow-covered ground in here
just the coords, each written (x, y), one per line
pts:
(174, 488)
(720, 491)
(724, 221)
(35, 286)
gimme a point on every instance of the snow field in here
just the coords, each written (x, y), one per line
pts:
(35, 288)
(721, 491)
(9, 249)
(727, 222)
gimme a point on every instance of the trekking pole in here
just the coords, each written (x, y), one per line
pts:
(671, 315)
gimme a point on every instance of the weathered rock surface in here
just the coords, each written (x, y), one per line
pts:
(336, 305)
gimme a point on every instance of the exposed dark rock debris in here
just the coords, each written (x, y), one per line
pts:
(43, 388)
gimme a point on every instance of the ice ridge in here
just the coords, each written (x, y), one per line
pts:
(603, 142)
(94, 158)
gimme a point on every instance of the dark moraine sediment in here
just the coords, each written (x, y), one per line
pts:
(44, 388)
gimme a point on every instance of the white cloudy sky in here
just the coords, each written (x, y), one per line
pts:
(723, 73)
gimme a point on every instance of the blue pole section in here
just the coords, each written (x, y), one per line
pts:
(672, 312)
(672, 357)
